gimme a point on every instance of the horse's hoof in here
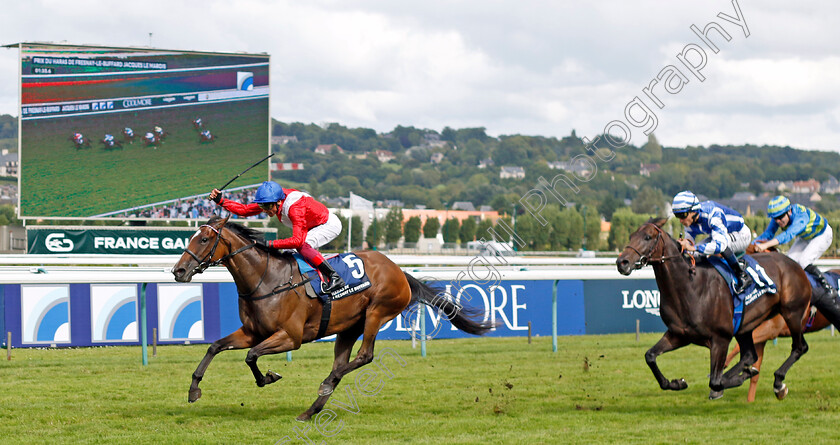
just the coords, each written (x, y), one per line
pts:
(271, 377)
(679, 385)
(325, 390)
(753, 371)
(195, 394)
(714, 395)
(782, 392)
(303, 417)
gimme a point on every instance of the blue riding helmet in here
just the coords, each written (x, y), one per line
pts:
(269, 192)
(778, 206)
(684, 202)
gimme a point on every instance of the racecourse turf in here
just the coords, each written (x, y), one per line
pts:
(594, 390)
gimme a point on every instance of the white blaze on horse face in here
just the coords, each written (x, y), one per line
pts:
(195, 234)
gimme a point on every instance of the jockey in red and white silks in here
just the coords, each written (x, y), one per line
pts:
(312, 223)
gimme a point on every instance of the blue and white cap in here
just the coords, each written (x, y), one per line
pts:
(685, 201)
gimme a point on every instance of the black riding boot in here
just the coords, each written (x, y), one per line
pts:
(334, 281)
(827, 304)
(812, 269)
(742, 278)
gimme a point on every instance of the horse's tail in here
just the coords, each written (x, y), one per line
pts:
(463, 318)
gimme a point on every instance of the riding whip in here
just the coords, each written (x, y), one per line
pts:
(246, 170)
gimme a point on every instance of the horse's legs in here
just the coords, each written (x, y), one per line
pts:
(793, 314)
(344, 342)
(743, 370)
(668, 342)
(732, 354)
(759, 350)
(717, 357)
(798, 348)
(238, 340)
(363, 357)
(280, 341)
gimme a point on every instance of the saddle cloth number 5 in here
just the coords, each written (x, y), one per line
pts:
(356, 265)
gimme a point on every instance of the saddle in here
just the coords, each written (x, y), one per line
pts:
(347, 265)
(351, 269)
(761, 284)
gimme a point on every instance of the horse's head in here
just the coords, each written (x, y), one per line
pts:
(645, 243)
(204, 249)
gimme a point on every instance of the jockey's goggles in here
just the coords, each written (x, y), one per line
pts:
(266, 206)
(681, 215)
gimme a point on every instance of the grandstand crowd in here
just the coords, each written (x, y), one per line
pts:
(198, 207)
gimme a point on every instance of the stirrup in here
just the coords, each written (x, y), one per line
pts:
(331, 286)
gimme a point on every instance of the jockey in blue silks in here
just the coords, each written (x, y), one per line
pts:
(812, 232)
(727, 232)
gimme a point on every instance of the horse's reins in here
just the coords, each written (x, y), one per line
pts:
(206, 262)
(277, 289)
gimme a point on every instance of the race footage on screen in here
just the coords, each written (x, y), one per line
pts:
(137, 133)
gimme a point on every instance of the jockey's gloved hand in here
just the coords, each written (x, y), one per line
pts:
(263, 243)
(218, 198)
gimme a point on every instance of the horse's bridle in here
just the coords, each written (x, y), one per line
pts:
(204, 263)
(644, 260)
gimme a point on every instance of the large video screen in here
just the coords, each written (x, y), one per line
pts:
(137, 133)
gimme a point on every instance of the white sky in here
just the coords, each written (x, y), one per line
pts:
(527, 67)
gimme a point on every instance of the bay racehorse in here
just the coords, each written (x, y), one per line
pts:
(696, 307)
(277, 316)
(775, 327)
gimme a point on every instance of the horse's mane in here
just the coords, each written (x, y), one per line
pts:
(249, 234)
(660, 221)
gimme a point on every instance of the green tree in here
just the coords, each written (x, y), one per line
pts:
(526, 228)
(592, 227)
(393, 225)
(652, 149)
(450, 230)
(356, 233)
(482, 231)
(412, 229)
(624, 222)
(468, 230)
(431, 227)
(649, 200)
(374, 234)
(8, 216)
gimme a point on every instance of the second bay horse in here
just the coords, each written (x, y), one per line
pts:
(697, 308)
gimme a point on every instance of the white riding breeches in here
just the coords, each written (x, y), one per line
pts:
(320, 235)
(805, 252)
(738, 241)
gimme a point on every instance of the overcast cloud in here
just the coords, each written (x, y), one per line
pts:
(526, 67)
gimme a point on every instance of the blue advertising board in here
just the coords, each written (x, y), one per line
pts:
(613, 306)
(108, 314)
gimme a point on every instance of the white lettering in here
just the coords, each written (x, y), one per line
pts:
(514, 307)
(498, 308)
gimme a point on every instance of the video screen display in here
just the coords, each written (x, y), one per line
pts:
(137, 133)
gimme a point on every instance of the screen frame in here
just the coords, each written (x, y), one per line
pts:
(22, 45)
